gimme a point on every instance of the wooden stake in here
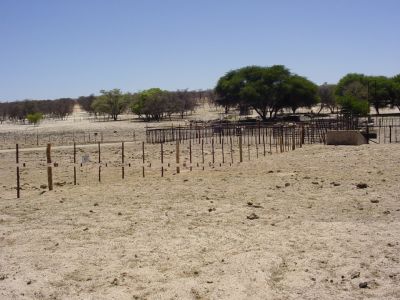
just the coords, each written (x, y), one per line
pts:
(143, 159)
(190, 153)
(240, 149)
(49, 168)
(123, 160)
(222, 149)
(17, 161)
(162, 160)
(202, 152)
(178, 170)
(230, 139)
(74, 163)
(212, 151)
(98, 146)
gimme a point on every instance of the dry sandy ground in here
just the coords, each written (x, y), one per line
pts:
(197, 236)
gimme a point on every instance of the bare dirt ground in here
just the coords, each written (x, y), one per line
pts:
(288, 226)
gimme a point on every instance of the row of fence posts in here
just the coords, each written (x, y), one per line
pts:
(87, 137)
(283, 142)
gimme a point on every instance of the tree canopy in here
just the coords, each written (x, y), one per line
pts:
(111, 102)
(265, 89)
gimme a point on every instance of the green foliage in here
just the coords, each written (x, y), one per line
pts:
(379, 91)
(34, 118)
(265, 89)
(111, 102)
(396, 91)
(155, 104)
(326, 93)
(353, 105)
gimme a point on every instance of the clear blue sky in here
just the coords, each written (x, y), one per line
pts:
(68, 48)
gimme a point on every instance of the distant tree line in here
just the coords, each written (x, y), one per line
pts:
(20, 110)
(270, 89)
(152, 104)
(267, 90)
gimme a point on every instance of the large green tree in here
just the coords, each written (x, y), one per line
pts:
(265, 89)
(112, 102)
(300, 92)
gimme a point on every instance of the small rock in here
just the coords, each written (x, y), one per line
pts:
(355, 275)
(211, 209)
(85, 229)
(363, 285)
(335, 184)
(115, 281)
(43, 186)
(249, 203)
(29, 282)
(287, 184)
(253, 216)
(374, 201)
(386, 212)
(362, 185)
(315, 182)
(96, 204)
(120, 214)
(209, 281)
(42, 192)
(185, 180)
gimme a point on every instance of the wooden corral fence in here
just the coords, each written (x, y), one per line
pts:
(314, 130)
(90, 164)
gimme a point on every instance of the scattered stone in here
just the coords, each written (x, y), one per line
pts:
(374, 201)
(115, 281)
(43, 186)
(335, 183)
(91, 211)
(306, 177)
(61, 201)
(249, 203)
(85, 229)
(42, 192)
(362, 185)
(96, 204)
(390, 245)
(209, 281)
(253, 216)
(185, 180)
(355, 275)
(120, 214)
(363, 285)
(29, 282)
(287, 184)
(313, 279)
(315, 182)
(386, 212)
(62, 183)
(211, 209)
(2, 277)
(270, 171)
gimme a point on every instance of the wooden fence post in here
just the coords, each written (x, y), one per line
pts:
(212, 150)
(99, 161)
(74, 163)
(143, 159)
(240, 149)
(178, 170)
(17, 161)
(202, 152)
(123, 160)
(293, 138)
(162, 159)
(190, 153)
(49, 168)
